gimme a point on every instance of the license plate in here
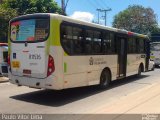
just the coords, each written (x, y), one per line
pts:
(15, 64)
(25, 71)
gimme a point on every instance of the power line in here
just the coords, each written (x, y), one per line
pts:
(104, 3)
(92, 3)
(99, 4)
(105, 14)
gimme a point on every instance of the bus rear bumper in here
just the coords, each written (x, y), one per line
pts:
(46, 83)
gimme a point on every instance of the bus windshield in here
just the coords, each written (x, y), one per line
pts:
(155, 47)
(29, 30)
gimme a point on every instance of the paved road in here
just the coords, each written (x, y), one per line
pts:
(15, 99)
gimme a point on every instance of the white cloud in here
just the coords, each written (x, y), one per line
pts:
(85, 16)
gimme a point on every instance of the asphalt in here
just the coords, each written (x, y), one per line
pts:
(144, 101)
(133, 96)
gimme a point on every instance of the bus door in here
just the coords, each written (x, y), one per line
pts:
(147, 50)
(122, 56)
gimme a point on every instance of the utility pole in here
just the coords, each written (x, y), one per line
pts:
(105, 14)
(64, 6)
(99, 10)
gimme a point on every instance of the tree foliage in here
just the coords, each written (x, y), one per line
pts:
(12, 8)
(33, 6)
(5, 16)
(138, 19)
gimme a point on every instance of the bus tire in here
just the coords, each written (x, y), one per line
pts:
(105, 79)
(140, 69)
(153, 68)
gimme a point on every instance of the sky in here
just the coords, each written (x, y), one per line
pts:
(86, 9)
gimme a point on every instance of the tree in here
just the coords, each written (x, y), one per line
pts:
(33, 6)
(12, 8)
(136, 18)
(5, 16)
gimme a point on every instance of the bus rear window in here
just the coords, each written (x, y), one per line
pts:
(30, 30)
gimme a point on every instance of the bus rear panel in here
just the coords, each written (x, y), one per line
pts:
(30, 63)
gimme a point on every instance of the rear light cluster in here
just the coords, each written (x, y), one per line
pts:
(51, 67)
(9, 61)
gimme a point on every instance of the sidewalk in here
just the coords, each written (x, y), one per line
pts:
(3, 79)
(144, 101)
(140, 105)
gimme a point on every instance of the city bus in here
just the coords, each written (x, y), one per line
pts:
(51, 51)
(3, 59)
(155, 49)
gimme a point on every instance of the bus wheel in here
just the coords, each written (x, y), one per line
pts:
(139, 70)
(105, 79)
(153, 68)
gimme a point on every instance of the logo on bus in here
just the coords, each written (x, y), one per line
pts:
(96, 61)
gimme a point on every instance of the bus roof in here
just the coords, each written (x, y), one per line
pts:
(80, 22)
(69, 19)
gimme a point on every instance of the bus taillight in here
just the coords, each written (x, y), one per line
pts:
(51, 66)
(9, 62)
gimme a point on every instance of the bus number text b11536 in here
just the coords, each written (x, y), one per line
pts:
(35, 56)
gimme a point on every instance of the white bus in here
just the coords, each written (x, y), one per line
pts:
(3, 59)
(155, 53)
(51, 51)
(155, 50)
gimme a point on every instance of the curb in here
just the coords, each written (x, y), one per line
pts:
(3, 79)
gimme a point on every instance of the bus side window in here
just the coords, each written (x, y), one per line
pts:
(97, 42)
(138, 45)
(106, 43)
(113, 46)
(66, 35)
(88, 41)
(77, 41)
(132, 45)
(141, 46)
